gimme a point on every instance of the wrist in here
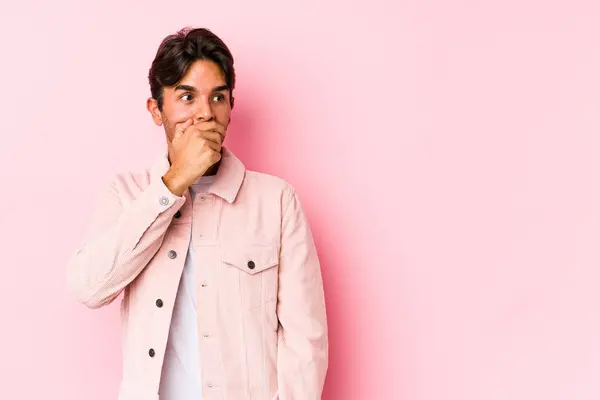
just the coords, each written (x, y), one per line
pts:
(175, 182)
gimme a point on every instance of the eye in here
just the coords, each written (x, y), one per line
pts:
(218, 98)
(187, 95)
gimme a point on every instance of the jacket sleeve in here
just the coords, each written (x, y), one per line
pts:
(121, 239)
(302, 357)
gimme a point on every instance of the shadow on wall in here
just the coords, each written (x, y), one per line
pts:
(244, 136)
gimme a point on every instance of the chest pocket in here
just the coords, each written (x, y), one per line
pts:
(253, 269)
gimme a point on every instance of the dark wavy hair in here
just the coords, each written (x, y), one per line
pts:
(178, 51)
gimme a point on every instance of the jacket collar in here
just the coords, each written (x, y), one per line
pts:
(228, 180)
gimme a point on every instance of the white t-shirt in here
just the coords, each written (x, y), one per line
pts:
(181, 374)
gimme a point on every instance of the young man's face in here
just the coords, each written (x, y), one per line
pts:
(201, 95)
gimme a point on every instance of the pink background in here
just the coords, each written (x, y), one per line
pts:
(446, 153)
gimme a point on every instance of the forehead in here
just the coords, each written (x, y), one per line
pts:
(203, 74)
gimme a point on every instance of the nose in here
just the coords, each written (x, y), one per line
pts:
(203, 111)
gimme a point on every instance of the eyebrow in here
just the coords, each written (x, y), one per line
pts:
(189, 88)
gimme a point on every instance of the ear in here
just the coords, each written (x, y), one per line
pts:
(232, 102)
(152, 106)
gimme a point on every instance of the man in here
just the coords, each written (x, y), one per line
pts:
(222, 289)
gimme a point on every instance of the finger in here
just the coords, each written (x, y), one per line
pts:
(211, 136)
(210, 126)
(182, 126)
(220, 132)
(214, 146)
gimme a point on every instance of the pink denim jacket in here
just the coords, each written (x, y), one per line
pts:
(258, 281)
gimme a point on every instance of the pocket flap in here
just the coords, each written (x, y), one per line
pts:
(251, 259)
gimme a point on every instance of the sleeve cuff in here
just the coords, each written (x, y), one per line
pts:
(164, 197)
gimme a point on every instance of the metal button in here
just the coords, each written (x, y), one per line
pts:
(151, 353)
(251, 264)
(164, 201)
(178, 214)
(204, 284)
(210, 384)
(159, 303)
(172, 254)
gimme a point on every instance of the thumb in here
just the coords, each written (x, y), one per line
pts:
(181, 127)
